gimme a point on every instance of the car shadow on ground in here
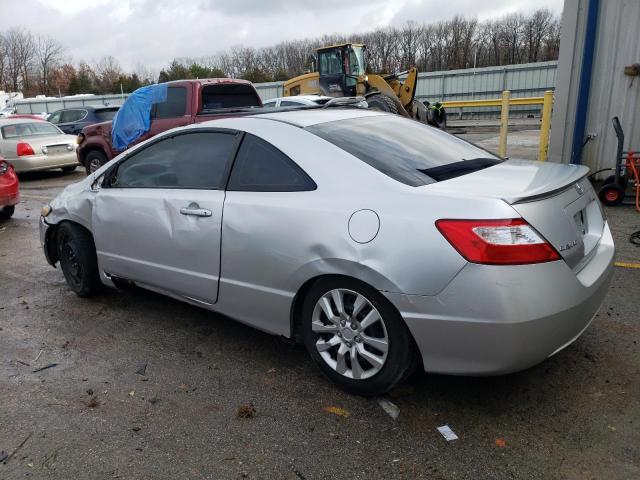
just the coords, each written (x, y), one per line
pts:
(543, 389)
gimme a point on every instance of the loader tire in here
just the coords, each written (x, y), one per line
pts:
(382, 102)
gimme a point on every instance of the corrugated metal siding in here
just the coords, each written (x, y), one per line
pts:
(39, 105)
(524, 80)
(612, 93)
(269, 90)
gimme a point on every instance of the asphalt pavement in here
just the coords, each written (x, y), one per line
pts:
(146, 387)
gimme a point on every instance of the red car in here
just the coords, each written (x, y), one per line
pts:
(9, 195)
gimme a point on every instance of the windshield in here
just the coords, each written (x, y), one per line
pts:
(32, 129)
(403, 149)
(356, 61)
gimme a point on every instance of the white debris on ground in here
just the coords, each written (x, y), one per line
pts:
(447, 433)
(391, 408)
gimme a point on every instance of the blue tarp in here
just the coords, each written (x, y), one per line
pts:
(134, 117)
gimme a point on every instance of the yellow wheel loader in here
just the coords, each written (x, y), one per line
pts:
(341, 73)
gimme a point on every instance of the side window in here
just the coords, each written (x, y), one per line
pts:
(289, 103)
(55, 117)
(191, 160)
(260, 167)
(175, 106)
(72, 116)
(330, 62)
(270, 103)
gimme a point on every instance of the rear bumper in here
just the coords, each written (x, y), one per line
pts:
(493, 320)
(44, 162)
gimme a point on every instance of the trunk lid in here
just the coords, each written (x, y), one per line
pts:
(556, 199)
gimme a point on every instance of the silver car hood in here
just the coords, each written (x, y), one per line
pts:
(514, 180)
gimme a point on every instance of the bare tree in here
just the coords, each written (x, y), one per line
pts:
(19, 53)
(49, 55)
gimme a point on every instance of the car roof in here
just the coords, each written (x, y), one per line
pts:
(12, 121)
(312, 98)
(308, 117)
(88, 107)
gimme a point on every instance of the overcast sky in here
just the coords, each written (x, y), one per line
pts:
(153, 32)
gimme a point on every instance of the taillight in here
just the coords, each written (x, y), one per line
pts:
(23, 149)
(497, 242)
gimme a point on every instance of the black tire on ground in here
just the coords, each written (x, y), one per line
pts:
(400, 360)
(611, 194)
(380, 101)
(95, 159)
(70, 168)
(624, 181)
(7, 212)
(78, 261)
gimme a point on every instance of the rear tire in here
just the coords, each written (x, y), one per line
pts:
(95, 159)
(363, 333)
(381, 102)
(611, 194)
(624, 180)
(78, 260)
(7, 212)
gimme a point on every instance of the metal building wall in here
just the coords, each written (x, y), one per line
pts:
(40, 105)
(612, 93)
(524, 80)
(269, 90)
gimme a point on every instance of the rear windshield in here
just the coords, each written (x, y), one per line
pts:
(225, 95)
(404, 149)
(106, 114)
(21, 130)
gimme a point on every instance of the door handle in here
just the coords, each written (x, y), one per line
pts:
(194, 209)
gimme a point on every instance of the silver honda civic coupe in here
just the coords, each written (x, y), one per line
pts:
(383, 244)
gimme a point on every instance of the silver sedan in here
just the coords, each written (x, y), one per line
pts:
(32, 145)
(383, 244)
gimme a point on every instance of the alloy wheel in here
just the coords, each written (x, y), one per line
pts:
(94, 165)
(352, 335)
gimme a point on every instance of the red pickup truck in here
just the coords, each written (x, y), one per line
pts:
(188, 101)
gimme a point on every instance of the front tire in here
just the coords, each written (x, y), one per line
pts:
(7, 212)
(381, 102)
(356, 336)
(95, 159)
(78, 261)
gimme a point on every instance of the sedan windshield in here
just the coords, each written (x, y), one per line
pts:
(32, 129)
(404, 149)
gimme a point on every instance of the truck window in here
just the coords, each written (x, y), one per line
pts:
(175, 106)
(228, 95)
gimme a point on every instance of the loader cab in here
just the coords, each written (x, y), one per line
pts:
(339, 67)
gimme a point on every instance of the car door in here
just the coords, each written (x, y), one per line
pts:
(157, 218)
(267, 196)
